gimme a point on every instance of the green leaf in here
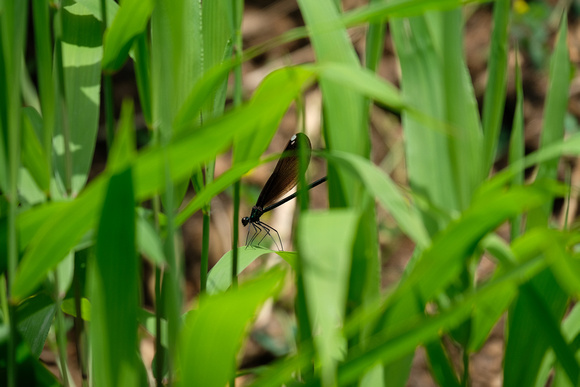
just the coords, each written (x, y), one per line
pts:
(114, 272)
(218, 327)
(364, 82)
(149, 242)
(68, 306)
(554, 113)
(495, 91)
(380, 186)
(74, 142)
(517, 145)
(130, 20)
(220, 276)
(35, 317)
(325, 241)
(33, 156)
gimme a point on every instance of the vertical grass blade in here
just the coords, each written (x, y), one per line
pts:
(114, 277)
(176, 44)
(516, 152)
(460, 109)
(554, 113)
(13, 35)
(81, 45)
(326, 240)
(426, 150)
(130, 21)
(494, 99)
(345, 129)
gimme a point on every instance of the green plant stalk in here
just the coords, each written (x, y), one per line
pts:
(78, 322)
(159, 305)
(237, 7)
(236, 233)
(109, 121)
(304, 328)
(171, 278)
(516, 147)
(143, 76)
(13, 36)
(60, 331)
(204, 251)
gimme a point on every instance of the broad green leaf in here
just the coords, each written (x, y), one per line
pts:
(428, 163)
(325, 242)
(345, 126)
(220, 276)
(130, 20)
(114, 271)
(218, 326)
(94, 8)
(29, 370)
(149, 242)
(218, 37)
(74, 142)
(176, 65)
(60, 226)
(460, 108)
(35, 317)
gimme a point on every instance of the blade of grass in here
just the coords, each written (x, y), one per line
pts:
(114, 271)
(429, 173)
(495, 92)
(129, 22)
(13, 30)
(81, 55)
(325, 241)
(516, 152)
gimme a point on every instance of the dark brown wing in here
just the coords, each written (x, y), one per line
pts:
(285, 175)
